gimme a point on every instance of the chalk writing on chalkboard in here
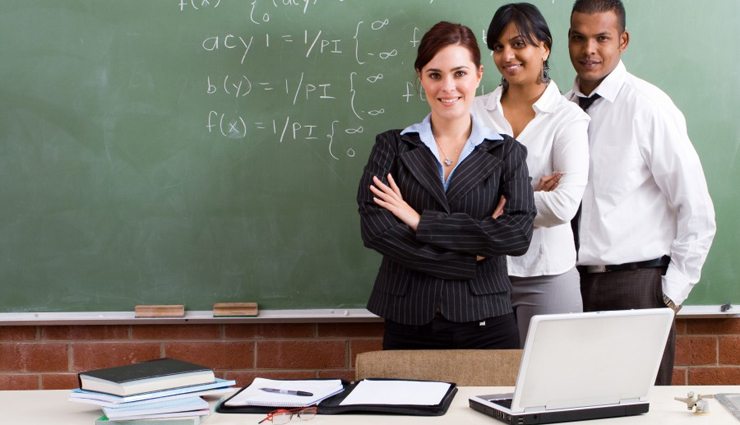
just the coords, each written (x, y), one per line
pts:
(294, 90)
(201, 151)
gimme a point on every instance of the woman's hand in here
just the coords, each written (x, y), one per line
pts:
(389, 197)
(549, 183)
(499, 211)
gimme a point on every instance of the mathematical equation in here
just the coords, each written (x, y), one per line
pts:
(287, 130)
(312, 44)
(291, 78)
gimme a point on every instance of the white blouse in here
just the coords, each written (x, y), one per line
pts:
(556, 141)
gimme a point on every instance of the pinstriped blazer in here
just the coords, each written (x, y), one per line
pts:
(434, 269)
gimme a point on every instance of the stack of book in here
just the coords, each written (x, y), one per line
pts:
(163, 391)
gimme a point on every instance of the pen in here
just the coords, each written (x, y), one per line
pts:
(289, 392)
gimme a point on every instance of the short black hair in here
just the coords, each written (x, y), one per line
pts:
(526, 18)
(599, 6)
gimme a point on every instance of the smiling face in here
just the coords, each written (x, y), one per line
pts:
(518, 61)
(449, 81)
(595, 44)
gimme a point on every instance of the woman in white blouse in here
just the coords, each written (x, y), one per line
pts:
(528, 106)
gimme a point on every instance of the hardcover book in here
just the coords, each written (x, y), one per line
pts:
(139, 378)
(217, 388)
(188, 420)
(191, 406)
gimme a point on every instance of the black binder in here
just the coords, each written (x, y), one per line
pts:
(331, 405)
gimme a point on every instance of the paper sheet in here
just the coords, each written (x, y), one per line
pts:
(253, 396)
(397, 392)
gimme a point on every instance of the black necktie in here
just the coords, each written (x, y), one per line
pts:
(584, 103)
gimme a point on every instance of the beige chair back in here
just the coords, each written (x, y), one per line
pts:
(463, 367)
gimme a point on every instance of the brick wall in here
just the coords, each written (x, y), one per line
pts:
(48, 357)
(707, 352)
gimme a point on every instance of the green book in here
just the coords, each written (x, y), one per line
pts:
(186, 420)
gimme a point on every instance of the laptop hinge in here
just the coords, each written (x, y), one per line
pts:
(630, 401)
(535, 409)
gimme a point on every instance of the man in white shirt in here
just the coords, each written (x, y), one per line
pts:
(647, 220)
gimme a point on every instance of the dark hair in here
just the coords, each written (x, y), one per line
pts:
(444, 34)
(599, 6)
(531, 26)
(526, 18)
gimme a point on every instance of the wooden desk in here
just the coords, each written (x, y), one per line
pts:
(53, 408)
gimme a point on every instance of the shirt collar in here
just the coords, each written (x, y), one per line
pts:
(478, 133)
(610, 86)
(546, 103)
(549, 100)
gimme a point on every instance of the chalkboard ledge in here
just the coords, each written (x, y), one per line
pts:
(346, 315)
(350, 315)
(709, 311)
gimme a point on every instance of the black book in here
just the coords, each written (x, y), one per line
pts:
(144, 377)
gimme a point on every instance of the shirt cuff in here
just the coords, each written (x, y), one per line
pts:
(676, 285)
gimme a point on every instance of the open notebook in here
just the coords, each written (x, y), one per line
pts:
(386, 396)
(584, 366)
(284, 393)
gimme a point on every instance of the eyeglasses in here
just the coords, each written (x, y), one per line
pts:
(283, 416)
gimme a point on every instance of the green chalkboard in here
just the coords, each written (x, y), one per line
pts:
(198, 151)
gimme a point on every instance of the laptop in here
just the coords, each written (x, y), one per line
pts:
(582, 366)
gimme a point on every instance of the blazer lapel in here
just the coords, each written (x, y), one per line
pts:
(475, 168)
(420, 163)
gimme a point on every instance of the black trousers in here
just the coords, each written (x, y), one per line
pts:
(630, 289)
(440, 333)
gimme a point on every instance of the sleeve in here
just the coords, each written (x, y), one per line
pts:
(392, 238)
(569, 156)
(509, 234)
(677, 171)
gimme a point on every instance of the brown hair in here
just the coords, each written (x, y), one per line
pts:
(444, 34)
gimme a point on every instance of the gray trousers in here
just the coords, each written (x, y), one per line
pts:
(544, 295)
(630, 289)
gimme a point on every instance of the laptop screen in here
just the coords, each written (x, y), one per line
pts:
(590, 359)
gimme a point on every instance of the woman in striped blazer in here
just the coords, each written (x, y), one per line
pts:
(428, 202)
